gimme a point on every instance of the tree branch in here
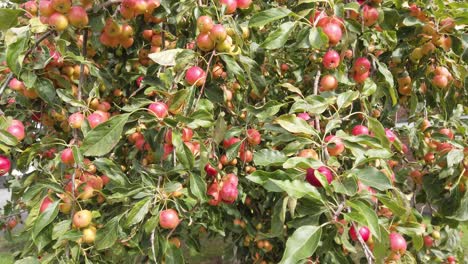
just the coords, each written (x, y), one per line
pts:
(316, 84)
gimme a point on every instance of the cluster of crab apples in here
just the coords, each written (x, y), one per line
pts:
(59, 13)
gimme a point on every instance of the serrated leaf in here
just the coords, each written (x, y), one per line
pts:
(317, 38)
(103, 138)
(294, 124)
(106, 236)
(197, 186)
(45, 218)
(302, 244)
(278, 38)
(138, 212)
(262, 18)
(374, 178)
(269, 157)
(346, 99)
(112, 170)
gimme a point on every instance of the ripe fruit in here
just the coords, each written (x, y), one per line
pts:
(229, 192)
(308, 153)
(440, 81)
(168, 219)
(59, 21)
(333, 32)
(213, 191)
(45, 8)
(16, 85)
(253, 137)
(370, 15)
(244, 4)
(187, 134)
(312, 179)
(328, 83)
(89, 235)
(204, 24)
(78, 17)
(61, 6)
(67, 157)
(95, 119)
(195, 76)
(397, 243)
(390, 135)
(46, 202)
(210, 170)
(363, 232)
(204, 42)
(362, 65)
(331, 59)
(360, 130)
(159, 109)
(17, 131)
(447, 132)
(428, 241)
(218, 33)
(5, 165)
(360, 78)
(75, 120)
(231, 5)
(335, 145)
(82, 218)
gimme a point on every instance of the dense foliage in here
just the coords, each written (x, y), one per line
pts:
(319, 131)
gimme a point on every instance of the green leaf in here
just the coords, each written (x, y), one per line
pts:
(183, 153)
(317, 38)
(173, 255)
(297, 188)
(7, 138)
(278, 38)
(371, 219)
(219, 130)
(232, 67)
(369, 87)
(9, 17)
(302, 244)
(13, 53)
(262, 18)
(178, 99)
(300, 162)
(346, 99)
(269, 157)
(103, 138)
(28, 260)
(45, 218)
(294, 124)
(60, 228)
(138, 212)
(197, 186)
(379, 131)
(374, 178)
(454, 157)
(166, 57)
(106, 236)
(46, 90)
(389, 79)
(265, 111)
(112, 170)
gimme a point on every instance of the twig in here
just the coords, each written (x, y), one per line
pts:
(82, 65)
(316, 83)
(339, 209)
(152, 246)
(11, 215)
(5, 84)
(369, 256)
(206, 76)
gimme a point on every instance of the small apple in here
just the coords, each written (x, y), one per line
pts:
(82, 218)
(204, 42)
(59, 21)
(89, 235)
(331, 59)
(67, 157)
(253, 137)
(328, 83)
(5, 165)
(159, 109)
(195, 76)
(168, 219)
(78, 17)
(312, 179)
(363, 232)
(205, 24)
(46, 202)
(335, 145)
(397, 243)
(231, 5)
(360, 130)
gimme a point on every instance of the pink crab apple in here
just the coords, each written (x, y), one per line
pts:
(46, 202)
(204, 42)
(362, 65)
(397, 243)
(328, 83)
(335, 145)
(67, 156)
(5, 165)
(78, 17)
(16, 85)
(253, 137)
(244, 4)
(312, 179)
(75, 120)
(159, 109)
(360, 130)
(205, 24)
(331, 60)
(168, 219)
(195, 76)
(333, 32)
(231, 5)
(16, 129)
(390, 135)
(370, 15)
(218, 33)
(95, 119)
(210, 170)
(363, 232)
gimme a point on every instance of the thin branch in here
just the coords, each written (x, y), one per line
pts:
(316, 84)
(369, 255)
(206, 76)
(5, 84)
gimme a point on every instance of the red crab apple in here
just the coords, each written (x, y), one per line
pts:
(187, 134)
(312, 179)
(447, 132)
(204, 42)
(390, 135)
(231, 5)
(45, 8)
(218, 33)
(205, 24)
(331, 59)
(46, 202)
(362, 65)
(397, 243)
(5, 165)
(230, 141)
(16, 85)
(335, 145)
(360, 78)
(428, 241)
(333, 32)
(67, 156)
(360, 130)
(210, 170)
(253, 137)
(78, 17)
(213, 191)
(451, 260)
(244, 4)
(363, 232)
(168, 219)
(195, 76)
(159, 109)
(82, 218)
(440, 81)
(228, 192)
(370, 15)
(328, 83)
(95, 119)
